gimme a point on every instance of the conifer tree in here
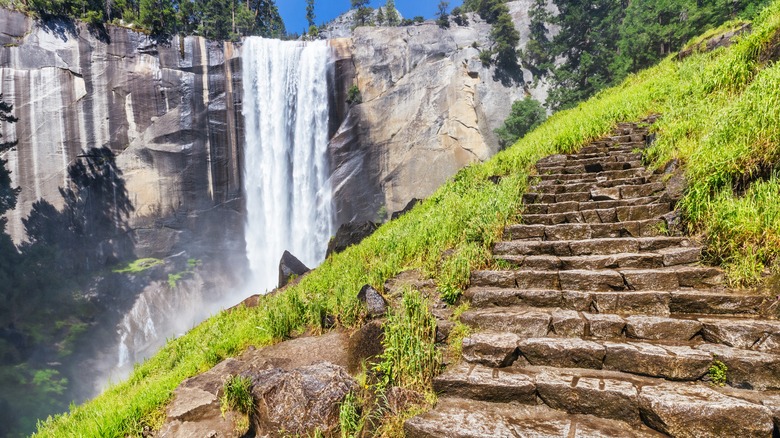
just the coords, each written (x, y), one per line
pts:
(310, 17)
(391, 14)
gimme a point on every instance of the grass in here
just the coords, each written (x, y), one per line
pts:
(138, 266)
(720, 119)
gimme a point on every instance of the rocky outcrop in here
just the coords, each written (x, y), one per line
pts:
(169, 112)
(429, 108)
(297, 386)
(290, 267)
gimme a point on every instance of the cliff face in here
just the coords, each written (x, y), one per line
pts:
(429, 108)
(171, 115)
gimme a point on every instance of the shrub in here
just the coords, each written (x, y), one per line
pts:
(353, 95)
(526, 115)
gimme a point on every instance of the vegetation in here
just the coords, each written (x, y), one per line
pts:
(354, 96)
(362, 12)
(442, 17)
(602, 41)
(526, 114)
(237, 395)
(720, 119)
(214, 19)
(717, 373)
(503, 34)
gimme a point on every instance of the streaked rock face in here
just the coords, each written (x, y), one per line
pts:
(171, 114)
(429, 109)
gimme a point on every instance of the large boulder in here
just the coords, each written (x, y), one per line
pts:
(290, 266)
(301, 401)
(350, 233)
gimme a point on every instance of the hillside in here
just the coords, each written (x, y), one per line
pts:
(720, 123)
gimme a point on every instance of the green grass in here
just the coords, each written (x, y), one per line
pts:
(720, 119)
(138, 266)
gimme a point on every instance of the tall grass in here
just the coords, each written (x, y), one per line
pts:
(719, 118)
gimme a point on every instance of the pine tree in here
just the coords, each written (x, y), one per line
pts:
(391, 14)
(158, 16)
(380, 17)
(310, 17)
(362, 12)
(443, 19)
(8, 194)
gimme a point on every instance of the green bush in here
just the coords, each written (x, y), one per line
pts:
(525, 115)
(353, 95)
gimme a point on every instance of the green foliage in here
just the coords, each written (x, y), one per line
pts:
(362, 13)
(237, 395)
(391, 14)
(410, 358)
(602, 41)
(717, 373)
(525, 115)
(139, 265)
(310, 17)
(503, 34)
(354, 96)
(350, 418)
(442, 17)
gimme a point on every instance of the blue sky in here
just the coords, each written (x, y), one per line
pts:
(293, 12)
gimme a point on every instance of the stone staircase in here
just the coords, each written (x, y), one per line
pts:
(600, 325)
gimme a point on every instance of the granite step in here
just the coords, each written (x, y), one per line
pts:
(608, 175)
(682, 362)
(613, 395)
(595, 167)
(649, 260)
(617, 192)
(463, 418)
(599, 216)
(741, 333)
(580, 160)
(643, 228)
(603, 203)
(601, 246)
(574, 186)
(714, 303)
(602, 280)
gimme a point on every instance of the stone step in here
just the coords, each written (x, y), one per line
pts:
(463, 418)
(595, 167)
(690, 302)
(618, 192)
(587, 160)
(569, 186)
(643, 228)
(699, 409)
(742, 333)
(608, 175)
(566, 207)
(607, 146)
(601, 246)
(685, 362)
(600, 216)
(649, 260)
(603, 280)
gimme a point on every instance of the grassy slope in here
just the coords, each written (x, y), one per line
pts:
(721, 118)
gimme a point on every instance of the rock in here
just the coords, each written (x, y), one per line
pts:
(696, 411)
(410, 205)
(606, 398)
(348, 234)
(491, 349)
(374, 301)
(563, 353)
(365, 344)
(657, 328)
(568, 323)
(400, 399)
(300, 401)
(676, 363)
(605, 326)
(747, 369)
(484, 383)
(290, 266)
(445, 107)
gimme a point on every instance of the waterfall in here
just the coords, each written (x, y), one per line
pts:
(288, 193)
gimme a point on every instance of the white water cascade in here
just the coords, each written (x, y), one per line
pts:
(288, 193)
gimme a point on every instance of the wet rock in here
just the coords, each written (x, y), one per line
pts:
(671, 362)
(290, 266)
(350, 233)
(374, 301)
(655, 328)
(698, 411)
(410, 205)
(564, 353)
(492, 349)
(365, 344)
(300, 401)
